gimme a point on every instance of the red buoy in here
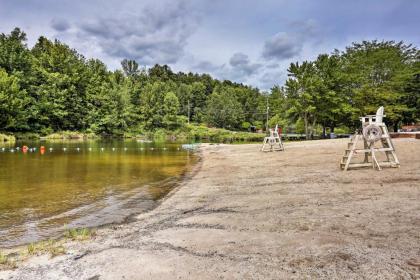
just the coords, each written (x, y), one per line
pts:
(42, 150)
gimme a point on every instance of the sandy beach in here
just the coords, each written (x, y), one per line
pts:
(244, 214)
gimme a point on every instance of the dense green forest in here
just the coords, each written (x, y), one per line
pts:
(51, 87)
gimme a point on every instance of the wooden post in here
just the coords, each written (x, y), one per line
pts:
(188, 111)
(266, 121)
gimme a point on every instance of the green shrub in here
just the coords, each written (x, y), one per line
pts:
(46, 131)
(7, 138)
(342, 130)
(277, 120)
(200, 132)
(246, 125)
(259, 124)
(160, 135)
(26, 136)
(71, 135)
(300, 126)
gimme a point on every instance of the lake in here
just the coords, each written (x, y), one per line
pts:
(74, 184)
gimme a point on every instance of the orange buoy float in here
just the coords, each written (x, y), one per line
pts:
(25, 149)
(42, 150)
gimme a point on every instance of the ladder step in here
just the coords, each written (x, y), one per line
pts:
(368, 150)
(387, 148)
(381, 163)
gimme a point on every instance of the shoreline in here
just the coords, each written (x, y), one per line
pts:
(191, 132)
(240, 213)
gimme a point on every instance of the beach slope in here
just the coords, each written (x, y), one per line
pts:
(244, 214)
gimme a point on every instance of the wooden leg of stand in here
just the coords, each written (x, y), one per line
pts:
(374, 161)
(365, 144)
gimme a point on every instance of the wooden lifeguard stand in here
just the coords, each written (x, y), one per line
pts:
(273, 142)
(376, 139)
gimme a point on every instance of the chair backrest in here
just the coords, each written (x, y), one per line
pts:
(276, 131)
(379, 115)
(378, 118)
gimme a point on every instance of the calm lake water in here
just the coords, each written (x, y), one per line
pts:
(81, 184)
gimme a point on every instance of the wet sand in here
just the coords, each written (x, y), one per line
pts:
(244, 214)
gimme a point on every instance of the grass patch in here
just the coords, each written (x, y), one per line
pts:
(79, 234)
(3, 258)
(7, 262)
(51, 247)
(31, 248)
(57, 251)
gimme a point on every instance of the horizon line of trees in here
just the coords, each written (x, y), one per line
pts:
(51, 87)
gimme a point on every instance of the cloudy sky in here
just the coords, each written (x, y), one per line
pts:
(243, 40)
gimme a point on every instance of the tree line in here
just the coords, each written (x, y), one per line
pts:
(336, 89)
(51, 87)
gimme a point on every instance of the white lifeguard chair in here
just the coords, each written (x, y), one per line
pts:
(376, 139)
(273, 142)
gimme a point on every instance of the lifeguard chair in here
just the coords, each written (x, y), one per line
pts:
(273, 142)
(376, 139)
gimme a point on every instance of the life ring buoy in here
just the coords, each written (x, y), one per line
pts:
(372, 133)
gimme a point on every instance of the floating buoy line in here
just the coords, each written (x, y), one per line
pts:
(43, 149)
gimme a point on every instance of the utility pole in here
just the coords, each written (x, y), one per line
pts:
(266, 122)
(188, 111)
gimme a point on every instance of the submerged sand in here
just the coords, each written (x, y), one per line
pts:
(244, 214)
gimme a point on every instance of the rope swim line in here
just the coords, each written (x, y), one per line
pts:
(43, 149)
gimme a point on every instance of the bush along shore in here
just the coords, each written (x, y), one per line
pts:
(5, 138)
(194, 133)
(188, 133)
